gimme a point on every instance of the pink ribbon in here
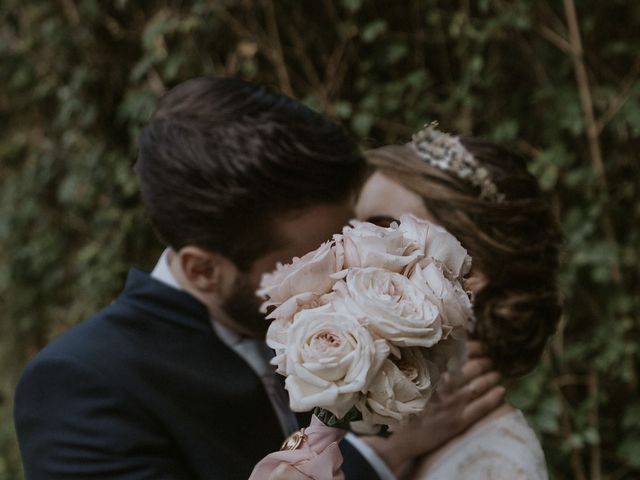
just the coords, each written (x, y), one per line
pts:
(317, 457)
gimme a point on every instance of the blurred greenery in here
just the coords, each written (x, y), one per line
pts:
(79, 77)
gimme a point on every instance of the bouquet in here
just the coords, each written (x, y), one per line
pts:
(364, 326)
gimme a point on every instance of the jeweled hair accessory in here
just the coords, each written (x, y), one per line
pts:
(447, 153)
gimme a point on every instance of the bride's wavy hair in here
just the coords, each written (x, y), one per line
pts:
(514, 243)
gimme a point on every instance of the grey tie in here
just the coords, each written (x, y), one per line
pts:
(257, 354)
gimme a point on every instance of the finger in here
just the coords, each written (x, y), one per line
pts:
(480, 385)
(445, 385)
(475, 388)
(483, 405)
(450, 383)
(475, 367)
(476, 348)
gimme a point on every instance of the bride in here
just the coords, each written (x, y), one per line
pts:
(485, 196)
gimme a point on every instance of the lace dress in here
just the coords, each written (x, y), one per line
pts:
(504, 449)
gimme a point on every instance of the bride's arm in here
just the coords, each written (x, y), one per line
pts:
(457, 406)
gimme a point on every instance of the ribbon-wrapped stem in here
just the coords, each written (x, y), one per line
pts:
(314, 452)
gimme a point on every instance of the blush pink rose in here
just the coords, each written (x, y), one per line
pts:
(451, 299)
(402, 388)
(391, 306)
(435, 242)
(309, 274)
(330, 358)
(278, 332)
(367, 245)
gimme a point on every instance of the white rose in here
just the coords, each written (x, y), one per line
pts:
(368, 245)
(415, 366)
(401, 388)
(392, 306)
(309, 274)
(437, 243)
(451, 299)
(281, 317)
(277, 336)
(330, 360)
(303, 301)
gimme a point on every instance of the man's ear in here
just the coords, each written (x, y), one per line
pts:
(209, 273)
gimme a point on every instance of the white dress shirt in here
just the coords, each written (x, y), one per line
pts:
(252, 353)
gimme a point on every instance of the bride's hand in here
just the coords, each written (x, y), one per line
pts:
(459, 403)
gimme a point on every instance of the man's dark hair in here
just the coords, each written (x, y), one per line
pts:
(221, 158)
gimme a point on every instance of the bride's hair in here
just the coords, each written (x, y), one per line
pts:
(514, 243)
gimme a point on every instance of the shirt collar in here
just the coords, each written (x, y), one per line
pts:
(162, 273)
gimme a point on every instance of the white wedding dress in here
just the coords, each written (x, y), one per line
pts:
(506, 448)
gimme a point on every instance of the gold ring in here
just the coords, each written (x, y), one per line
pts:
(294, 440)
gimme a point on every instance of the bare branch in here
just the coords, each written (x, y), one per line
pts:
(336, 66)
(277, 55)
(586, 103)
(566, 429)
(554, 18)
(620, 99)
(235, 24)
(584, 91)
(269, 43)
(557, 40)
(303, 57)
(594, 423)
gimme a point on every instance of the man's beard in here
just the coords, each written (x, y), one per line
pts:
(243, 306)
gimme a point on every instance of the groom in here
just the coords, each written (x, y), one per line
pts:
(171, 380)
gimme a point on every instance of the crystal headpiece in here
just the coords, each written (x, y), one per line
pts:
(447, 153)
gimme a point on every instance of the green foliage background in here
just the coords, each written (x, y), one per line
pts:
(79, 77)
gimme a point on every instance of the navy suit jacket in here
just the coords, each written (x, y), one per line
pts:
(146, 390)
